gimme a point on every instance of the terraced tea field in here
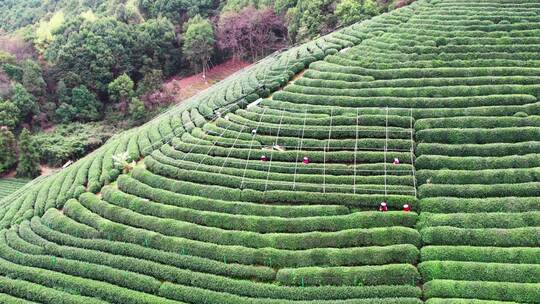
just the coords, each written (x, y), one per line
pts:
(10, 185)
(266, 187)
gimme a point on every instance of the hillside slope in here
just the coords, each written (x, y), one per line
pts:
(265, 188)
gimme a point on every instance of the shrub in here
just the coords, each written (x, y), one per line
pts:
(367, 201)
(70, 142)
(471, 205)
(37, 233)
(477, 122)
(480, 220)
(274, 181)
(475, 271)
(478, 136)
(519, 255)
(339, 239)
(501, 291)
(261, 224)
(191, 295)
(480, 191)
(245, 255)
(36, 292)
(395, 274)
(487, 177)
(485, 150)
(136, 188)
(477, 163)
(518, 237)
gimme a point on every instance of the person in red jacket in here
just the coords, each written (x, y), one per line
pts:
(264, 158)
(406, 208)
(383, 207)
(306, 160)
(396, 161)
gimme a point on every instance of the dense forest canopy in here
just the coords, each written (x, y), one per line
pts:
(65, 61)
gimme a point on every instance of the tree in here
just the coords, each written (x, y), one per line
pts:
(43, 35)
(137, 109)
(199, 43)
(237, 5)
(13, 71)
(156, 47)
(32, 78)
(251, 32)
(311, 18)
(177, 9)
(6, 57)
(97, 51)
(25, 102)
(9, 114)
(65, 113)
(28, 156)
(85, 103)
(349, 12)
(121, 91)
(371, 8)
(152, 80)
(281, 6)
(8, 153)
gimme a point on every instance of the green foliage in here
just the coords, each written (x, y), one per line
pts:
(371, 7)
(97, 51)
(65, 113)
(45, 29)
(394, 274)
(177, 9)
(151, 81)
(352, 11)
(237, 5)
(85, 104)
(156, 47)
(518, 237)
(25, 102)
(18, 14)
(32, 78)
(310, 18)
(9, 114)
(28, 165)
(518, 255)
(121, 91)
(198, 42)
(14, 71)
(6, 57)
(497, 204)
(349, 12)
(501, 291)
(8, 152)
(70, 142)
(474, 271)
(281, 6)
(137, 109)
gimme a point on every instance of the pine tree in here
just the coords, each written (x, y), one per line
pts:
(28, 156)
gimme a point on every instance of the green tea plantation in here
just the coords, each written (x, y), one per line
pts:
(395, 161)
